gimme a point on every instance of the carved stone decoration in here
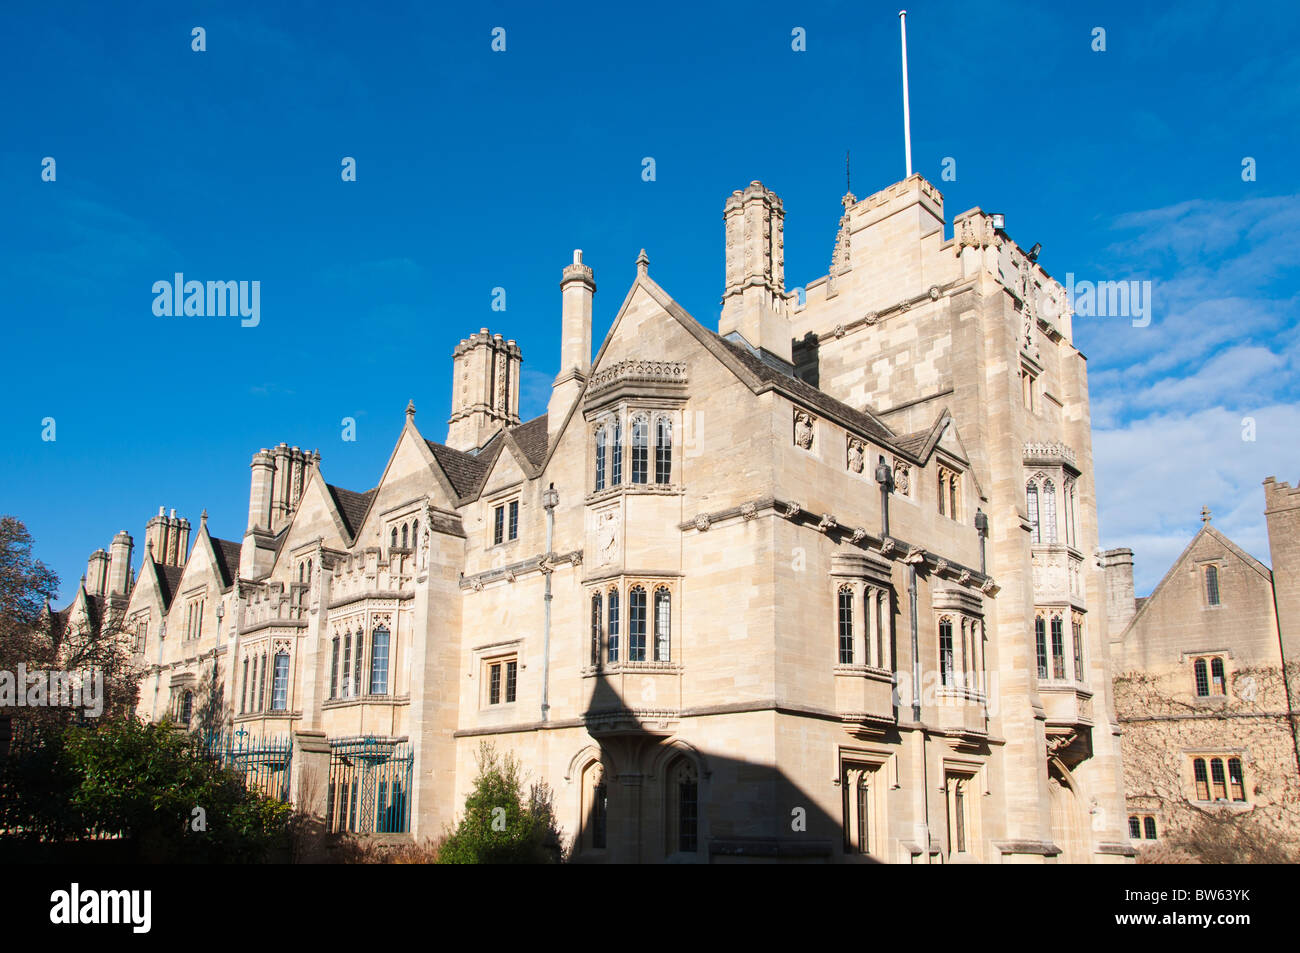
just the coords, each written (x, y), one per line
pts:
(702, 522)
(934, 292)
(607, 537)
(477, 584)
(839, 330)
(887, 546)
(803, 429)
(977, 232)
(510, 575)
(749, 510)
(940, 566)
(827, 523)
(902, 477)
(871, 317)
(988, 587)
(964, 577)
(281, 645)
(857, 454)
(499, 383)
(859, 535)
(576, 557)
(791, 510)
(424, 530)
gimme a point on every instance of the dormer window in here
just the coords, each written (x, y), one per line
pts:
(949, 493)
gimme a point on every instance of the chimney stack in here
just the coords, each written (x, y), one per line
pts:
(97, 573)
(577, 288)
(1121, 605)
(119, 564)
(754, 302)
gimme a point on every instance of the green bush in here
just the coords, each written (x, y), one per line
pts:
(500, 826)
(150, 785)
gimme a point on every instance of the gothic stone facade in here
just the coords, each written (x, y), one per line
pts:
(1206, 676)
(764, 593)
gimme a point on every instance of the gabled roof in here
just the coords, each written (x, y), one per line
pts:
(1209, 531)
(227, 559)
(351, 506)
(465, 471)
(531, 438)
(169, 580)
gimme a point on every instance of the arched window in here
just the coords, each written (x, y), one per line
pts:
(945, 651)
(1058, 647)
(846, 625)
(611, 629)
(952, 495)
(187, 708)
(1150, 825)
(415, 533)
(1202, 780)
(1202, 678)
(663, 450)
(1040, 645)
(1217, 681)
(595, 807)
(636, 619)
(943, 493)
(663, 625)
(347, 664)
(405, 539)
(640, 450)
(595, 628)
(1134, 826)
(1070, 536)
(1031, 498)
(1076, 630)
(358, 681)
(616, 455)
(1049, 512)
(334, 669)
(1236, 779)
(243, 694)
(280, 682)
(684, 806)
(261, 685)
(600, 457)
(392, 544)
(379, 661)
(1212, 585)
(882, 610)
(1220, 782)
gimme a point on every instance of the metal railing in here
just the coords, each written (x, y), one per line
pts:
(369, 786)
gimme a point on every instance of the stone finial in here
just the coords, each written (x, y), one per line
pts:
(410, 410)
(1205, 514)
(642, 263)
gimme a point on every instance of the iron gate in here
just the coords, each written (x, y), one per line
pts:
(369, 786)
(262, 763)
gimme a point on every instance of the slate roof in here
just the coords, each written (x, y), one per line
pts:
(351, 505)
(914, 443)
(227, 559)
(532, 439)
(806, 393)
(169, 580)
(465, 471)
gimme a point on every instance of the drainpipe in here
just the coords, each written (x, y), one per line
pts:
(916, 706)
(982, 527)
(550, 499)
(885, 477)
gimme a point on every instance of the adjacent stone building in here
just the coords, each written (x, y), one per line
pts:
(813, 586)
(1206, 679)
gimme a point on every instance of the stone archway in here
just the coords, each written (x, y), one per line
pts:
(1069, 830)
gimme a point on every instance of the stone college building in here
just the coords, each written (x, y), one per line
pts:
(816, 585)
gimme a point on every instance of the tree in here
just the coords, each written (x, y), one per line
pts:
(500, 825)
(26, 585)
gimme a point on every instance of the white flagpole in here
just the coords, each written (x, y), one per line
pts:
(907, 114)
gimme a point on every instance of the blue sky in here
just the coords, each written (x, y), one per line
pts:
(478, 170)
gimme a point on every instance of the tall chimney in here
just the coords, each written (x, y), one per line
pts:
(485, 389)
(119, 564)
(259, 493)
(97, 573)
(754, 301)
(577, 287)
(1121, 606)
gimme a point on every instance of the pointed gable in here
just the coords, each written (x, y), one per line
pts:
(351, 507)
